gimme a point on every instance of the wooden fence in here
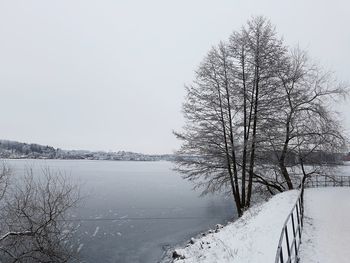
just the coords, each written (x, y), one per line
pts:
(290, 238)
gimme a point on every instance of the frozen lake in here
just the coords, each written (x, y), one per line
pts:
(133, 211)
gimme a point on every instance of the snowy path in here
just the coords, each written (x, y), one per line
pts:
(326, 234)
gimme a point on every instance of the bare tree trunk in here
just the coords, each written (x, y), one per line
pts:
(255, 121)
(282, 158)
(252, 154)
(234, 161)
(245, 131)
(233, 186)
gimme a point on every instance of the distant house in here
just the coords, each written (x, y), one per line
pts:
(347, 157)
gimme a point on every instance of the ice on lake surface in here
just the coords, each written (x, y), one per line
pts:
(134, 210)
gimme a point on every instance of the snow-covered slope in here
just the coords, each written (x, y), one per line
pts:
(252, 238)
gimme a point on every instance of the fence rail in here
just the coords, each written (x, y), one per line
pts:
(290, 238)
(325, 181)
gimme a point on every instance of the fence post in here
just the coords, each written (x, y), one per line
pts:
(298, 215)
(287, 239)
(281, 255)
(302, 207)
(294, 238)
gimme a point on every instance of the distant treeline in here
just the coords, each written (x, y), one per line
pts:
(19, 150)
(291, 159)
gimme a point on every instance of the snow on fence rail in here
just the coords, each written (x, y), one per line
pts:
(290, 239)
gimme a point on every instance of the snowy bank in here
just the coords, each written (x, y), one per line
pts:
(252, 238)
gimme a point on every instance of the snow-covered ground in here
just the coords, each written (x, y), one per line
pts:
(252, 238)
(326, 234)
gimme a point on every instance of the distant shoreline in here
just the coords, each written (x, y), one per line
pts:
(19, 150)
(60, 159)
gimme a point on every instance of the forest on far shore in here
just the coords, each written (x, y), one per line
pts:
(19, 150)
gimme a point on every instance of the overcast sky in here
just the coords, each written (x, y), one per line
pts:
(109, 75)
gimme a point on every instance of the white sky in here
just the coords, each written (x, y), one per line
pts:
(109, 75)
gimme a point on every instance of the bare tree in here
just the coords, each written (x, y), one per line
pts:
(33, 219)
(223, 107)
(5, 175)
(253, 105)
(302, 126)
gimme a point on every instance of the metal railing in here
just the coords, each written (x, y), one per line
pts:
(290, 238)
(287, 250)
(326, 181)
